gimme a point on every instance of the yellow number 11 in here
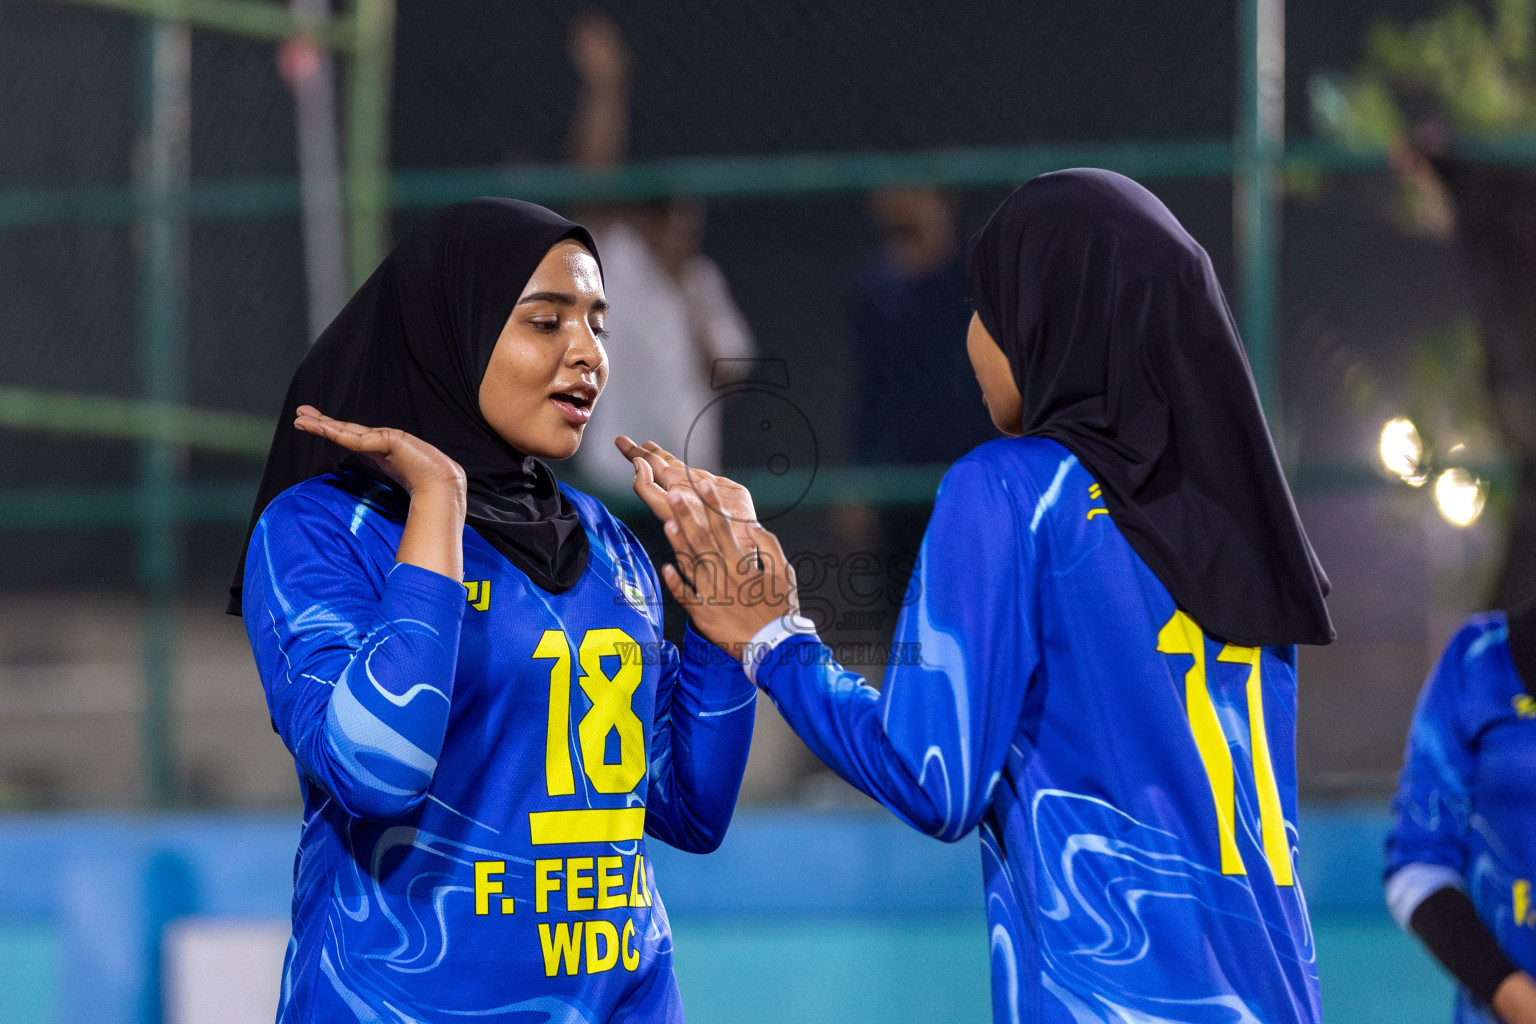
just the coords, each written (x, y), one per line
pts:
(1181, 635)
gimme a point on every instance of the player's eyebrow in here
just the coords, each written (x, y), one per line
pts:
(561, 299)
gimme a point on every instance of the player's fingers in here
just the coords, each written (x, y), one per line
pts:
(383, 443)
(669, 473)
(681, 592)
(736, 508)
(768, 542)
(628, 447)
(738, 500)
(764, 538)
(403, 457)
(691, 541)
(386, 446)
(730, 537)
(341, 426)
(330, 430)
(660, 452)
(657, 453)
(688, 516)
(652, 494)
(722, 530)
(774, 565)
(644, 477)
(687, 556)
(371, 445)
(312, 420)
(707, 520)
(732, 507)
(769, 551)
(389, 434)
(308, 414)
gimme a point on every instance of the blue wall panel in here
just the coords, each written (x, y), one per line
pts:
(844, 896)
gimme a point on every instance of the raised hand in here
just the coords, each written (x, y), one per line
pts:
(406, 459)
(732, 577)
(658, 473)
(434, 527)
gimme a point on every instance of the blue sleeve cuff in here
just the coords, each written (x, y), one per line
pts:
(699, 651)
(719, 677)
(424, 583)
(792, 649)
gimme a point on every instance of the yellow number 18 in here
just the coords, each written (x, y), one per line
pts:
(1181, 635)
(611, 711)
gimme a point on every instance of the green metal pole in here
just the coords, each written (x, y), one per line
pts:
(1256, 190)
(252, 19)
(367, 135)
(161, 176)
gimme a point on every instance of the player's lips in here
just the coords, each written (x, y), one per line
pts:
(575, 402)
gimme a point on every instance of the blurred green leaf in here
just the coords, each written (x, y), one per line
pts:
(1460, 67)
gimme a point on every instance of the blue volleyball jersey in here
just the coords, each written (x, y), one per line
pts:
(1466, 799)
(480, 766)
(1133, 779)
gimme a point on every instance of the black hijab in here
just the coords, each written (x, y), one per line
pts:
(1521, 626)
(409, 351)
(1124, 351)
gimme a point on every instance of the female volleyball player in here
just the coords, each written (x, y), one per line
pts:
(1105, 611)
(1462, 852)
(465, 658)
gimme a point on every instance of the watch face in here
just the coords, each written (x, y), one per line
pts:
(774, 446)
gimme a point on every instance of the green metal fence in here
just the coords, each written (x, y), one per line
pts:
(163, 201)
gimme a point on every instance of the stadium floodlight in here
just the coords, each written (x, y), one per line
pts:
(1460, 496)
(1402, 451)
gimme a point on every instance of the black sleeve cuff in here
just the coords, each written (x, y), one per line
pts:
(1448, 924)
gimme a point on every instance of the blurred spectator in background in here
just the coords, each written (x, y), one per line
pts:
(673, 316)
(917, 400)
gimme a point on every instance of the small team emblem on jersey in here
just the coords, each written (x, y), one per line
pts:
(1524, 705)
(1095, 492)
(479, 594)
(1525, 914)
(632, 593)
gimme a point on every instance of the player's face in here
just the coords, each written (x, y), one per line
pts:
(549, 367)
(998, 389)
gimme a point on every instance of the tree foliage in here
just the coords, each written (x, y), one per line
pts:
(1473, 70)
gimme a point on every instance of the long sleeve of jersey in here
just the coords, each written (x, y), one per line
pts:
(1427, 847)
(357, 660)
(705, 709)
(930, 744)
